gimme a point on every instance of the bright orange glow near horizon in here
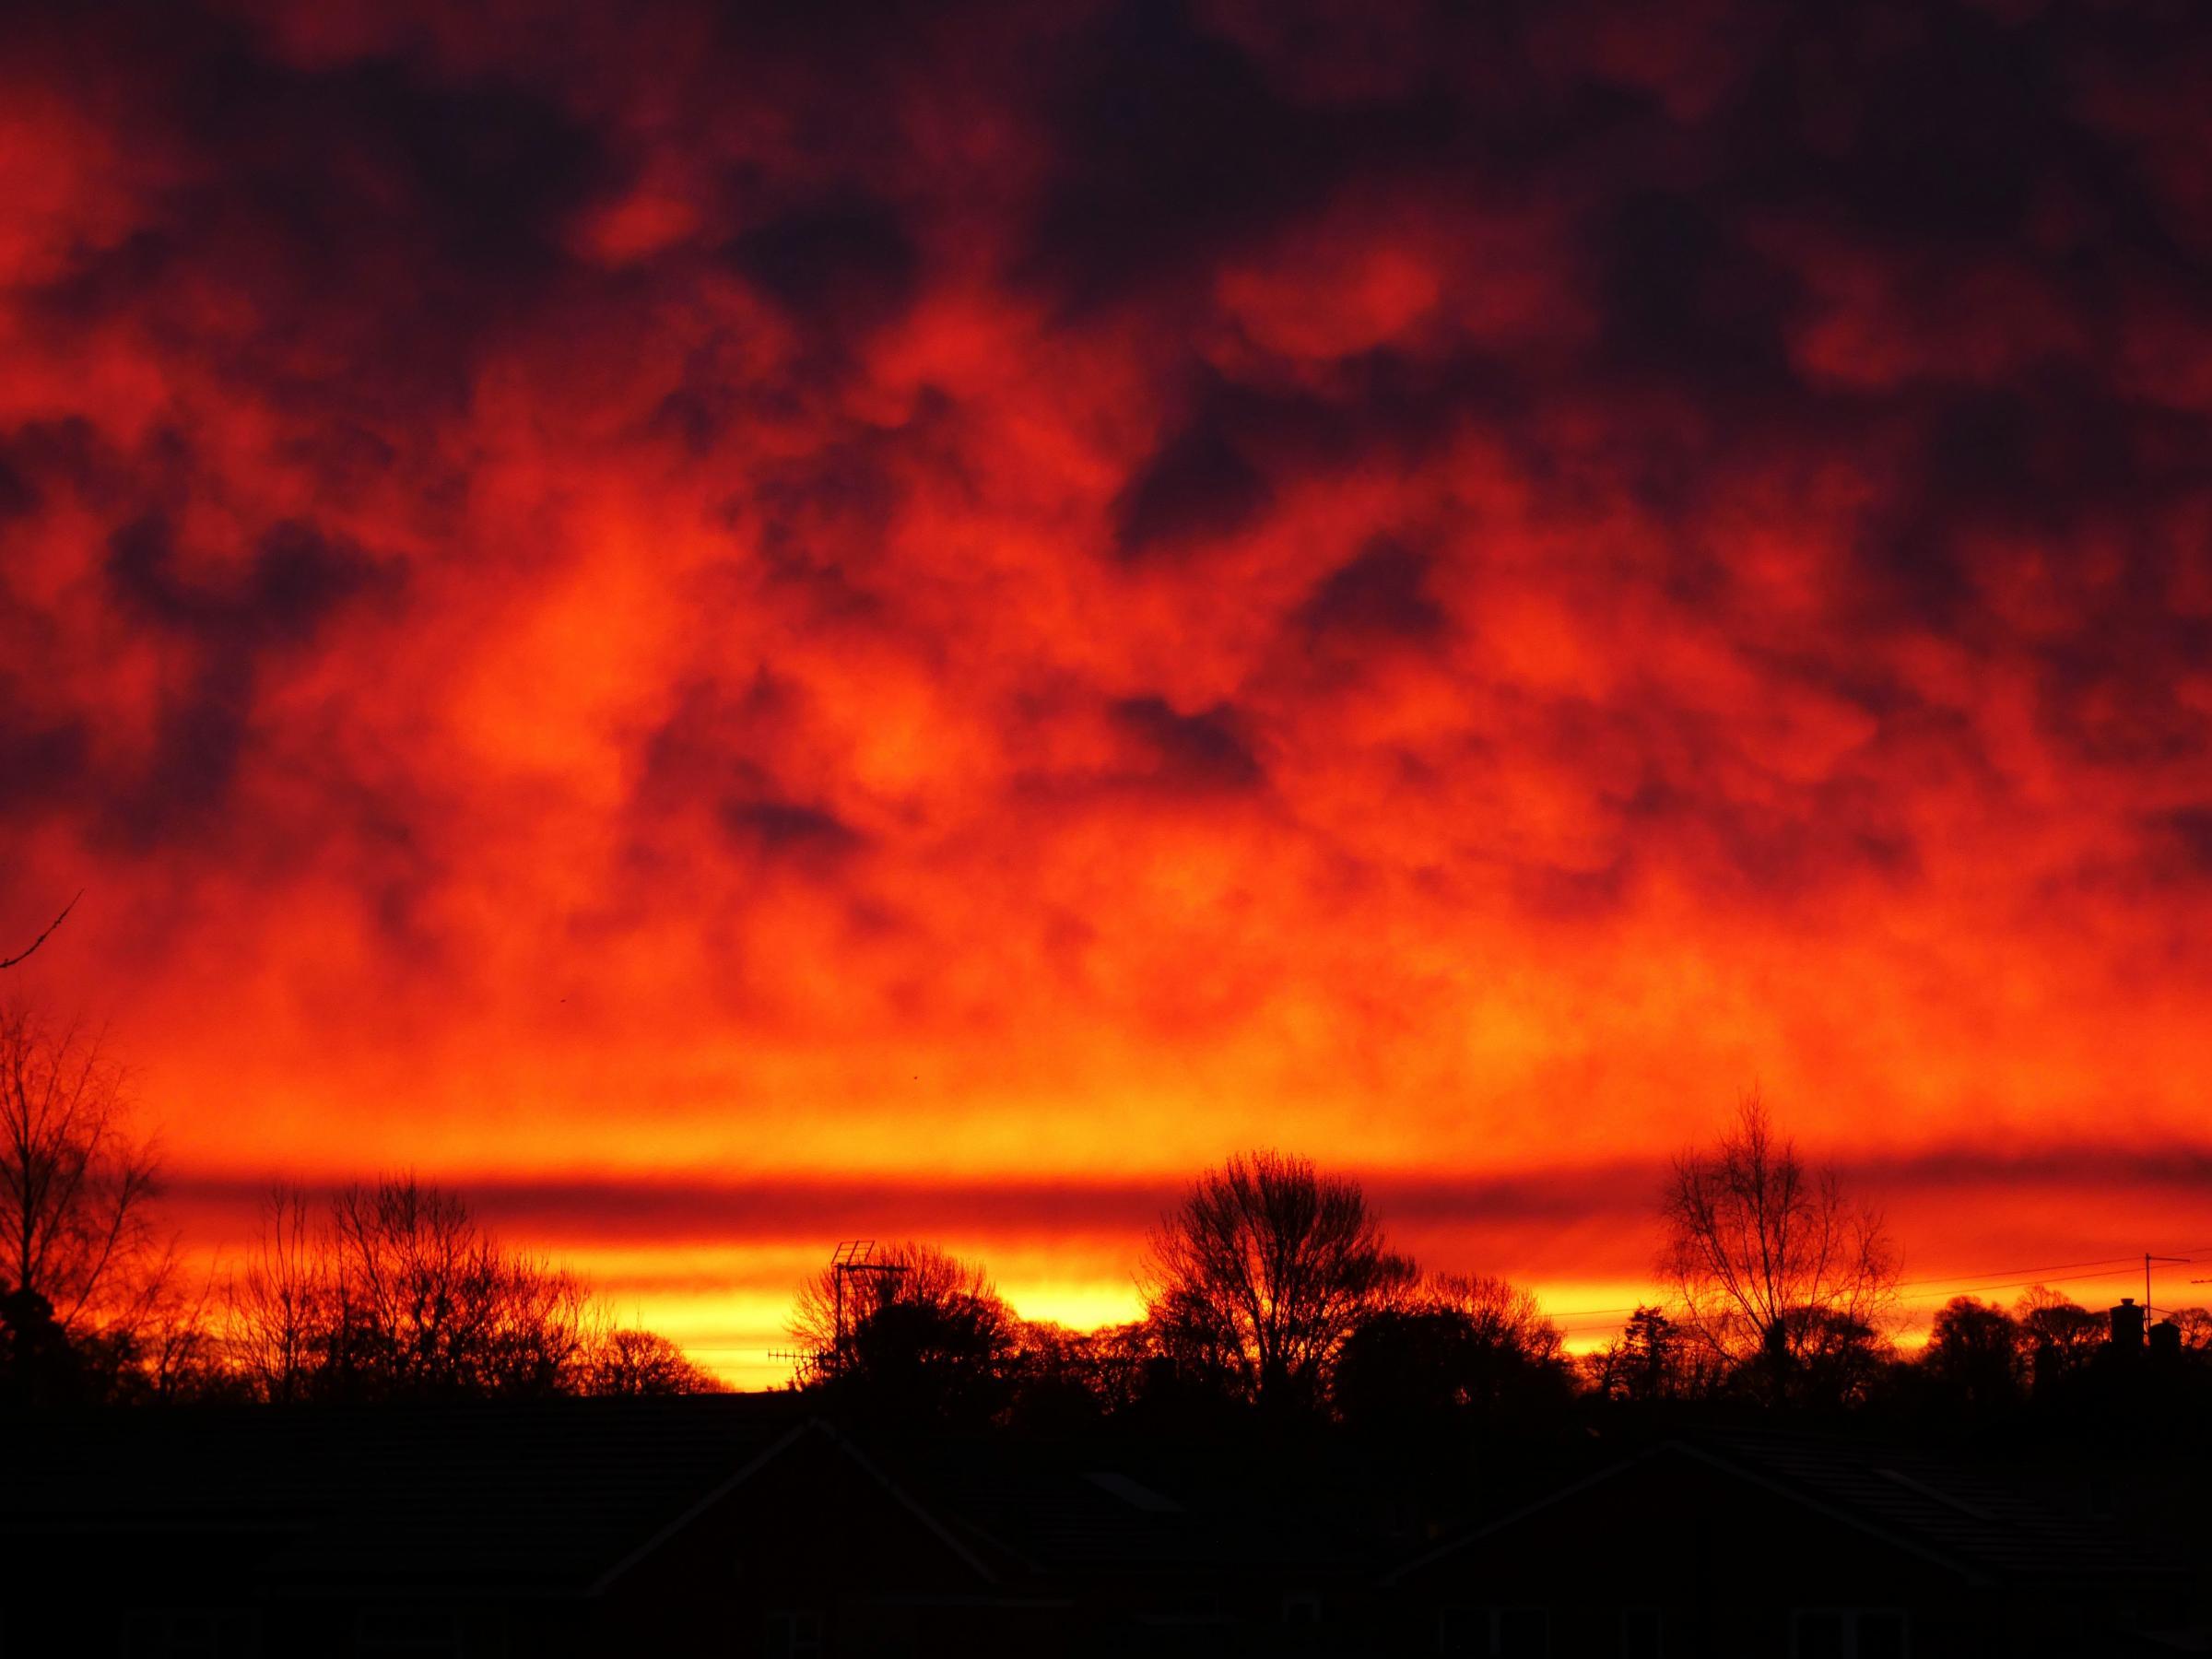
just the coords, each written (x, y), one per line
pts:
(728, 633)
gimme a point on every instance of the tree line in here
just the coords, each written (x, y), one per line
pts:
(383, 1291)
(1271, 1293)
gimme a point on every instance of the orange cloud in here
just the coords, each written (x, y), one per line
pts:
(1020, 607)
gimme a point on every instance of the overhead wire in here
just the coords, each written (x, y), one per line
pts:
(2052, 1273)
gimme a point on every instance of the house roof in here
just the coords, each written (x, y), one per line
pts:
(1959, 1511)
(1114, 1506)
(1945, 1511)
(542, 1496)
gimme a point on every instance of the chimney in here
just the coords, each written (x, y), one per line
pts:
(2166, 1345)
(2127, 1326)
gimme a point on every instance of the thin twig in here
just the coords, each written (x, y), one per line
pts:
(11, 961)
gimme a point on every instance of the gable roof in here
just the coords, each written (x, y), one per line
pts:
(1948, 1513)
(1946, 1505)
(551, 1497)
(1108, 1505)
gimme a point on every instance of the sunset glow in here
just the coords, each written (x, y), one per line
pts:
(734, 631)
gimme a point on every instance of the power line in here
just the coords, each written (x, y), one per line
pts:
(2050, 1274)
(2047, 1267)
(2053, 1279)
(1954, 1280)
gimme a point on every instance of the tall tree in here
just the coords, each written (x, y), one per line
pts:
(279, 1304)
(1771, 1267)
(631, 1363)
(916, 1335)
(2058, 1336)
(80, 1260)
(397, 1291)
(1649, 1360)
(1973, 1356)
(1266, 1266)
(1475, 1350)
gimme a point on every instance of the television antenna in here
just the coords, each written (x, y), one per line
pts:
(855, 1259)
(798, 1360)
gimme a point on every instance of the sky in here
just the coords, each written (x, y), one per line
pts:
(734, 627)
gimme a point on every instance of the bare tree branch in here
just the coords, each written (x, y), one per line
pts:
(1770, 1262)
(24, 955)
(1261, 1272)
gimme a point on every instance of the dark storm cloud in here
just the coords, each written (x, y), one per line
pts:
(831, 508)
(1944, 125)
(1623, 1193)
(1201, 751)
(1772, 852)
(18, 496)
(843, 262)
(2190, 828)
(296, 581)
(389, 214)
(39, 763)
(1333, 494)
(2179, 1167)
(1221, 468)
(1683, 300)
(788, 829)
(51, 462)
(1197, 487)
(1382, 591)
(472, 179)
(279, 602)
(379, 219)
(1168, 146)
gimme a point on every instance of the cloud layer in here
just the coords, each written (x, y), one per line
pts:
(876, 596)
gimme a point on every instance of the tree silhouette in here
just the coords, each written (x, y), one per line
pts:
(281, 1303)
(81, 1266)
(1973, 1357)
(1263, 1270)
(2058, 1336)
(1472, 1350)
(1502, 1318)
(629, 1362)
(1065, 1379)
(396, 1292)
(921, 1338)
(2195, 1326)
(1773, 1270)
(1837, 1358)
(1651, 1360)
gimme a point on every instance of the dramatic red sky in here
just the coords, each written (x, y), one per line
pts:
(731, 628)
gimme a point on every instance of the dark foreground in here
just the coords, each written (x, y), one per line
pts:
(748, 1525)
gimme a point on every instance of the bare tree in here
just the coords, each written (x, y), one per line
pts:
(176, 1351)
(1650, 1360)
(1500, 1315)
(1973, 1356)
(2195, 1326)
(1767, 1261)
(633, 1362)
(921, 1336)
(279, 1302)
(1472, 1350)
(2057, 1335)
(1271, 1265)
(76, 1186)
(414, 1283)
(832, 1305)
(397, 1291)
